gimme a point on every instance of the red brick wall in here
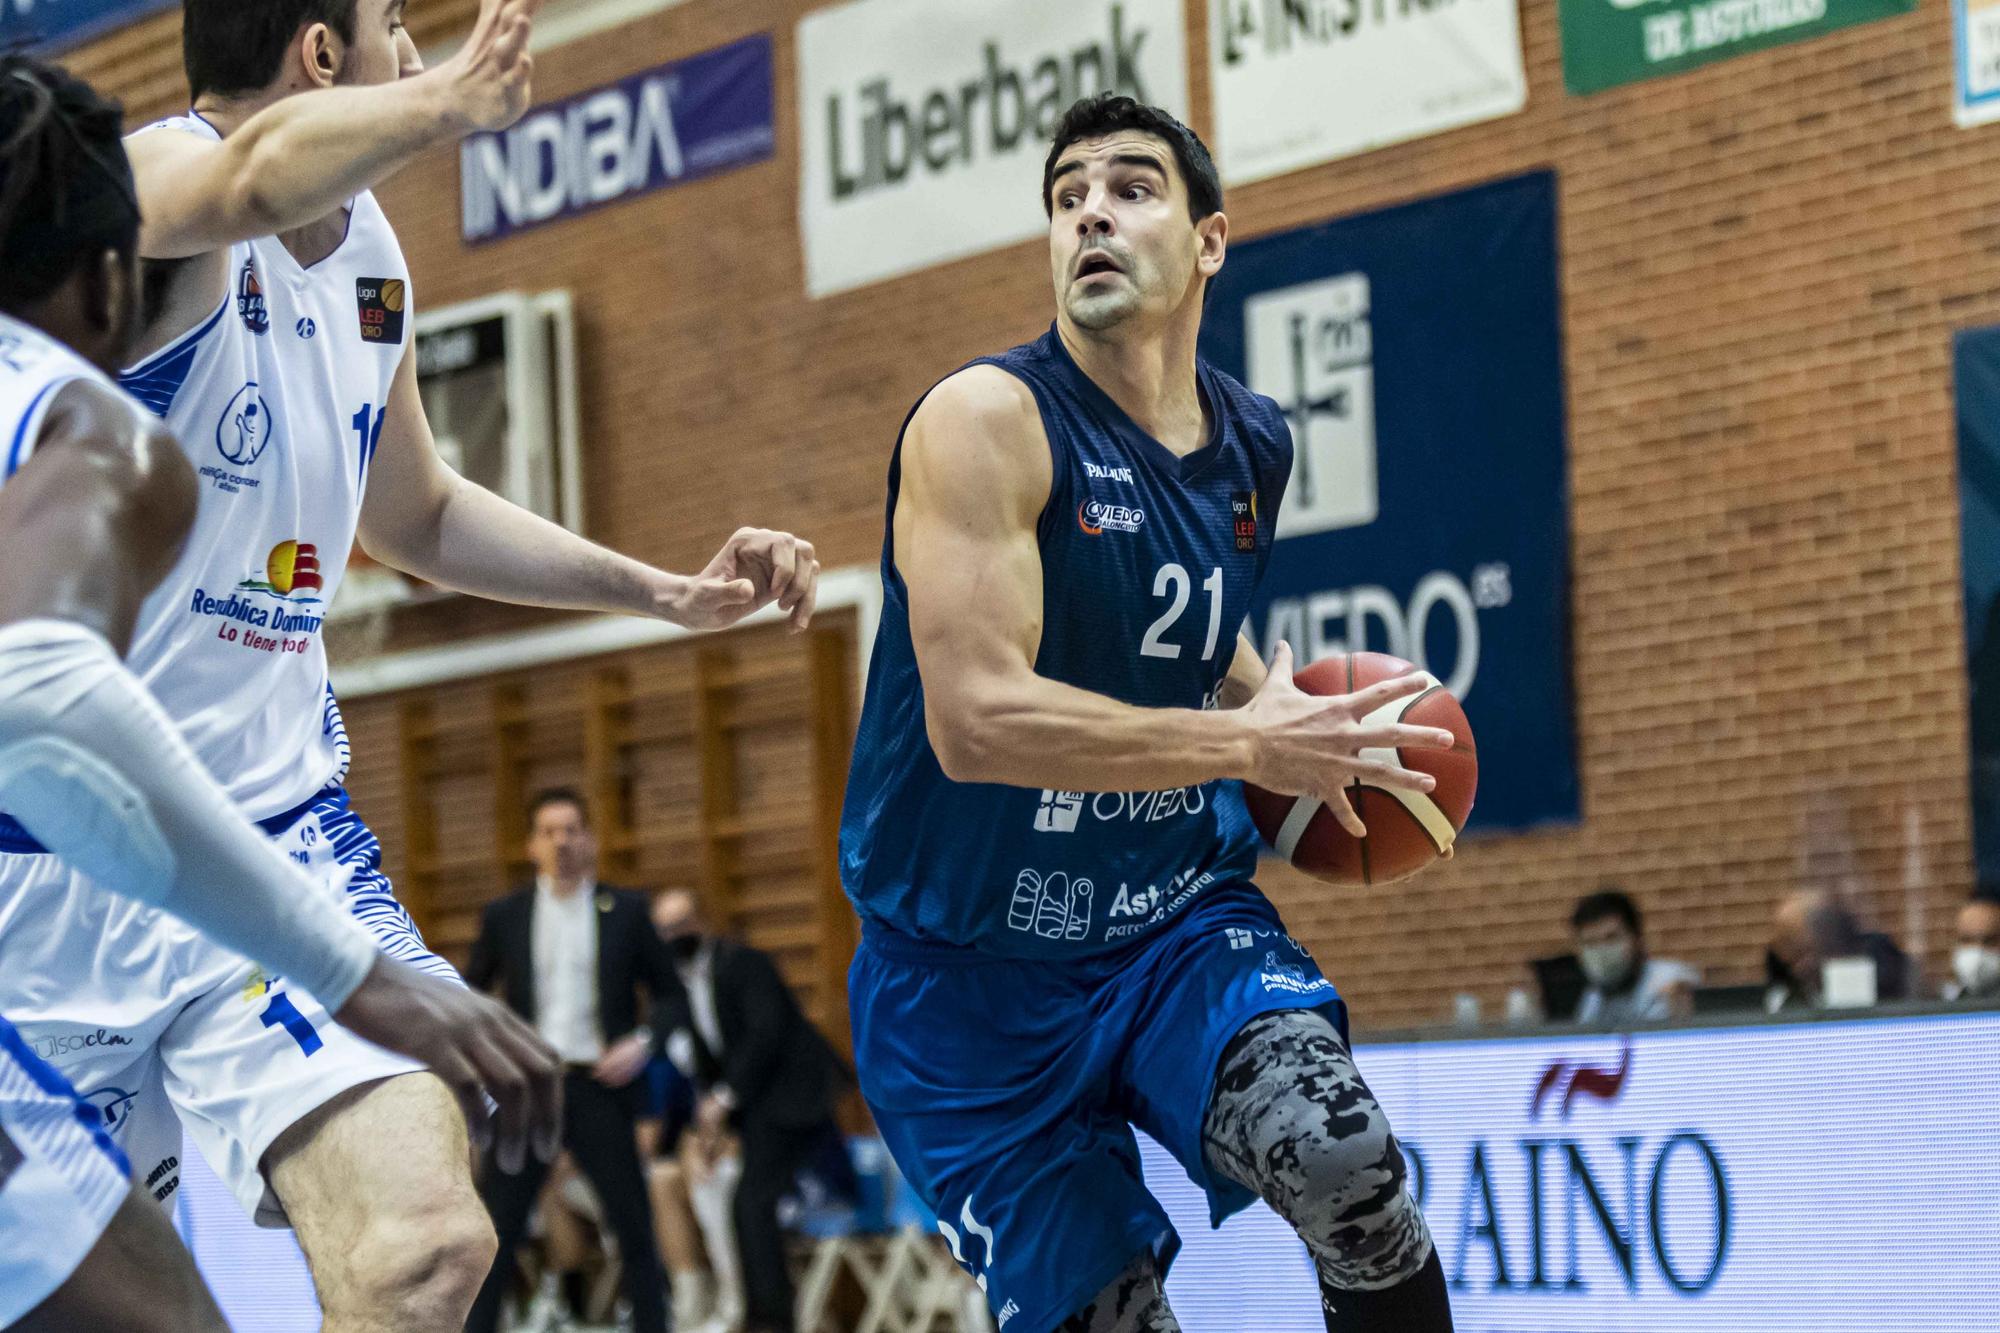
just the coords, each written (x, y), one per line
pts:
(1763, 263)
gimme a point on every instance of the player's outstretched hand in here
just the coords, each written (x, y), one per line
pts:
(492, 75)
(1318, 745)
(475, 1045)
(754, 568)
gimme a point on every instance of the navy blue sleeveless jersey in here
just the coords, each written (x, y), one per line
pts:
(1148, 565)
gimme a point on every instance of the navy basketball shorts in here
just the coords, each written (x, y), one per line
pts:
(1008, 1090)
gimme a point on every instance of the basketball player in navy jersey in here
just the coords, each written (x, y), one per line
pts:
(1044, 833)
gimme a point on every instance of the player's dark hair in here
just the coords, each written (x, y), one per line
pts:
(1593, 907)
(237, 46)
(66, 191)
(549, 796)
(1113, 113)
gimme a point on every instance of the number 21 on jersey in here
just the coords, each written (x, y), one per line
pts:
(1174, 583)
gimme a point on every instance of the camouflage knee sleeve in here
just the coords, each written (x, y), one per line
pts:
(1133, 1303)
(1293, 1121)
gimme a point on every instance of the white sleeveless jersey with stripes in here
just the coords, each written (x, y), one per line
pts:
(33, 369)
(277, 397)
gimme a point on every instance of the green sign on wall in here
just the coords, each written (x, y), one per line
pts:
(1609, 42)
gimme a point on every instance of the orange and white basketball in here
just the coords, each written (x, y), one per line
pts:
(1407, 830)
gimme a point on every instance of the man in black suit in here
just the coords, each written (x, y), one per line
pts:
(764, 1071)
(570, 955)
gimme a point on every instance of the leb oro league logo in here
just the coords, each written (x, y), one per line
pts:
(381, 302)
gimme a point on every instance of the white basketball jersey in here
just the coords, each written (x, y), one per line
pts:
(277, 399)
(33, 369)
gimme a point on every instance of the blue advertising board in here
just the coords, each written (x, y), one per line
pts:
(1417, 352)
(666, 126)
(54, 24)
(1976, 376)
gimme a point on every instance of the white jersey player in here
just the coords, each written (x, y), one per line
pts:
(95, 500)
(282, 359)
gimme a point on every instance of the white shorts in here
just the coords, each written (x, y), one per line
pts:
(61, 1179)
(161, 1029)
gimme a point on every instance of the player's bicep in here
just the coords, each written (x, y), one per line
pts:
(408, 483)
(191, 193)
(975, 476)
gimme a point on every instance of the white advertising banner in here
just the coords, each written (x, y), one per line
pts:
(1805, 1178)
(1297, 82)
(923, 127)
(1976, 78)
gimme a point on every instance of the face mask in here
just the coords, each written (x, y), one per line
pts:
(1605, 965)
(1977, 969)
(685, 947)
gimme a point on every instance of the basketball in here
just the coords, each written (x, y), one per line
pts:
(1407, 830)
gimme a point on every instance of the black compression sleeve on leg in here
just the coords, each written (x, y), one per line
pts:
(1418, 1305)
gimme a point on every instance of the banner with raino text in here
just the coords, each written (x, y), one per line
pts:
(1609, 42)
(923, 126)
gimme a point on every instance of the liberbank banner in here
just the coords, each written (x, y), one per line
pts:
(923, 126)
(1805, 1178)
(1609, 42)
(1417, 354)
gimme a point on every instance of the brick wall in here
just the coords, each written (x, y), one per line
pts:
(1763, 263)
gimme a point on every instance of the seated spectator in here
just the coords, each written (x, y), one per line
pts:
(1625, 984)
(765, 1078)
(1975, 959)
(1813, 927)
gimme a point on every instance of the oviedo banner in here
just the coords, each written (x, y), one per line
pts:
(1417, 353)
(923, 126)
(1798, 1178)
(1609, 42)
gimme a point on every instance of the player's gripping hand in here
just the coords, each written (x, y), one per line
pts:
(476, 1046)
(1311, 744)
(754, 568)
(491, 76)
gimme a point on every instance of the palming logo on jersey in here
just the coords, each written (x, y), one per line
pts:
(250, 300)
(381, 301)
(291, 567)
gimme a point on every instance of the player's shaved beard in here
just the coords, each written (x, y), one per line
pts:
(1103, 306)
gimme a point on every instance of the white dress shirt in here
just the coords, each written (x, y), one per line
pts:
(564, 942)
(698, 975)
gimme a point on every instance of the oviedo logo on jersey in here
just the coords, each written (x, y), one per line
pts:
(381, 302)
(1096, 517)
(259, 612)
(250, 300)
